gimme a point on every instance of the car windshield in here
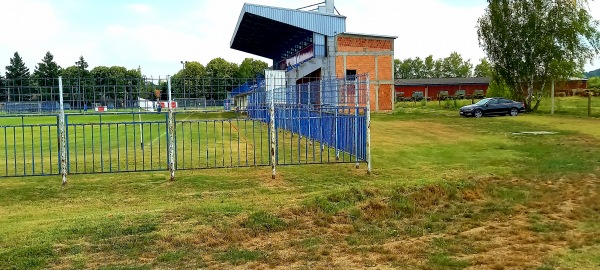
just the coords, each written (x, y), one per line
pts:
(483, 102)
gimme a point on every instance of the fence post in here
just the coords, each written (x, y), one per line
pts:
(171, 134)
(368, 116)
(589, 103)
(552, 98)
(273, 132)
(62, 134)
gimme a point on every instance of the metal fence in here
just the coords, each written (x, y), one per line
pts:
(147, 124)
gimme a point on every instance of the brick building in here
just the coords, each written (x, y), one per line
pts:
(372, 54)
(313, 44)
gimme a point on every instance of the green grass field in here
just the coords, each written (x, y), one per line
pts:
(446, 193)
(568, 106)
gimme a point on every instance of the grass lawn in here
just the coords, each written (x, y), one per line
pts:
(566, 106)
(446, 193)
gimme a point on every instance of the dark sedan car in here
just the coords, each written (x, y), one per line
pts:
(493, 106)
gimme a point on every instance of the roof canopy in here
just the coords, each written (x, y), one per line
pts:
(270, 31)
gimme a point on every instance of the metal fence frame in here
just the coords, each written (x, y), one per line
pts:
(319, 117)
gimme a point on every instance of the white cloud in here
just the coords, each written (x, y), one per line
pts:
(142, 9)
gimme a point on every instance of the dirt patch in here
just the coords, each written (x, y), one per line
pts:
(526, 239)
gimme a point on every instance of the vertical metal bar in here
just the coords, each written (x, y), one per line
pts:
(151, 149)
(322, 137)
(245, 140)
(6, 151)
(171, 131)
(93, 152)
(84, 150)
(183, 147)
(335, 120)
(126, 148)
(273, 132)
(32, 152)
(15, 147)
(63, 139)
(67, 145)
(134, 144)
(76, 155)
(253, 143)
(199, 143)
(207, 143)
(101, 147)
(368, 116)
(355, 140)
(223, 141)
(299, 116)
(42, 149)
(118, 150)
(230, 145)
(215, 137)
(23, 145)
(191, 146)
(142, 143)
(110, 167)
(49, 147)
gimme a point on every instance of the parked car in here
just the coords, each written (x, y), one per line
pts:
(493, 106)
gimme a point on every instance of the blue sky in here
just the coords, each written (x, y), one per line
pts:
(157, 35)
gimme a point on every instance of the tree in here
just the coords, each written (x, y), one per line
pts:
(222, 76)
(454, 66)
(17, 68)
(191, 80)
(18, 75)
(249, 68)
(530, 43)
(594, 83)
(82, 66)
(483, 69)
(47, 68)
(46, 74)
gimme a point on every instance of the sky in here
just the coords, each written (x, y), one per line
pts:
(156, 35)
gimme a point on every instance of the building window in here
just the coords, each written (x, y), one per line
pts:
(351, 74)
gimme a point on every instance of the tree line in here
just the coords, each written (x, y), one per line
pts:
(209, 81)
(48, 69)
(453, 66)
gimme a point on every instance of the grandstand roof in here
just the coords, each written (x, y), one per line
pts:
(268, 31)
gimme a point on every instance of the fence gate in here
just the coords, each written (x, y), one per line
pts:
(145, 124)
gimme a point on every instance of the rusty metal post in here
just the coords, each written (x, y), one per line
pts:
(62, 131)
(171, 134)
(368, 116)
(273, 133)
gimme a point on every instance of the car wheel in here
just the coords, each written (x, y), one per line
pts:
(478, 113)
(514, 112)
